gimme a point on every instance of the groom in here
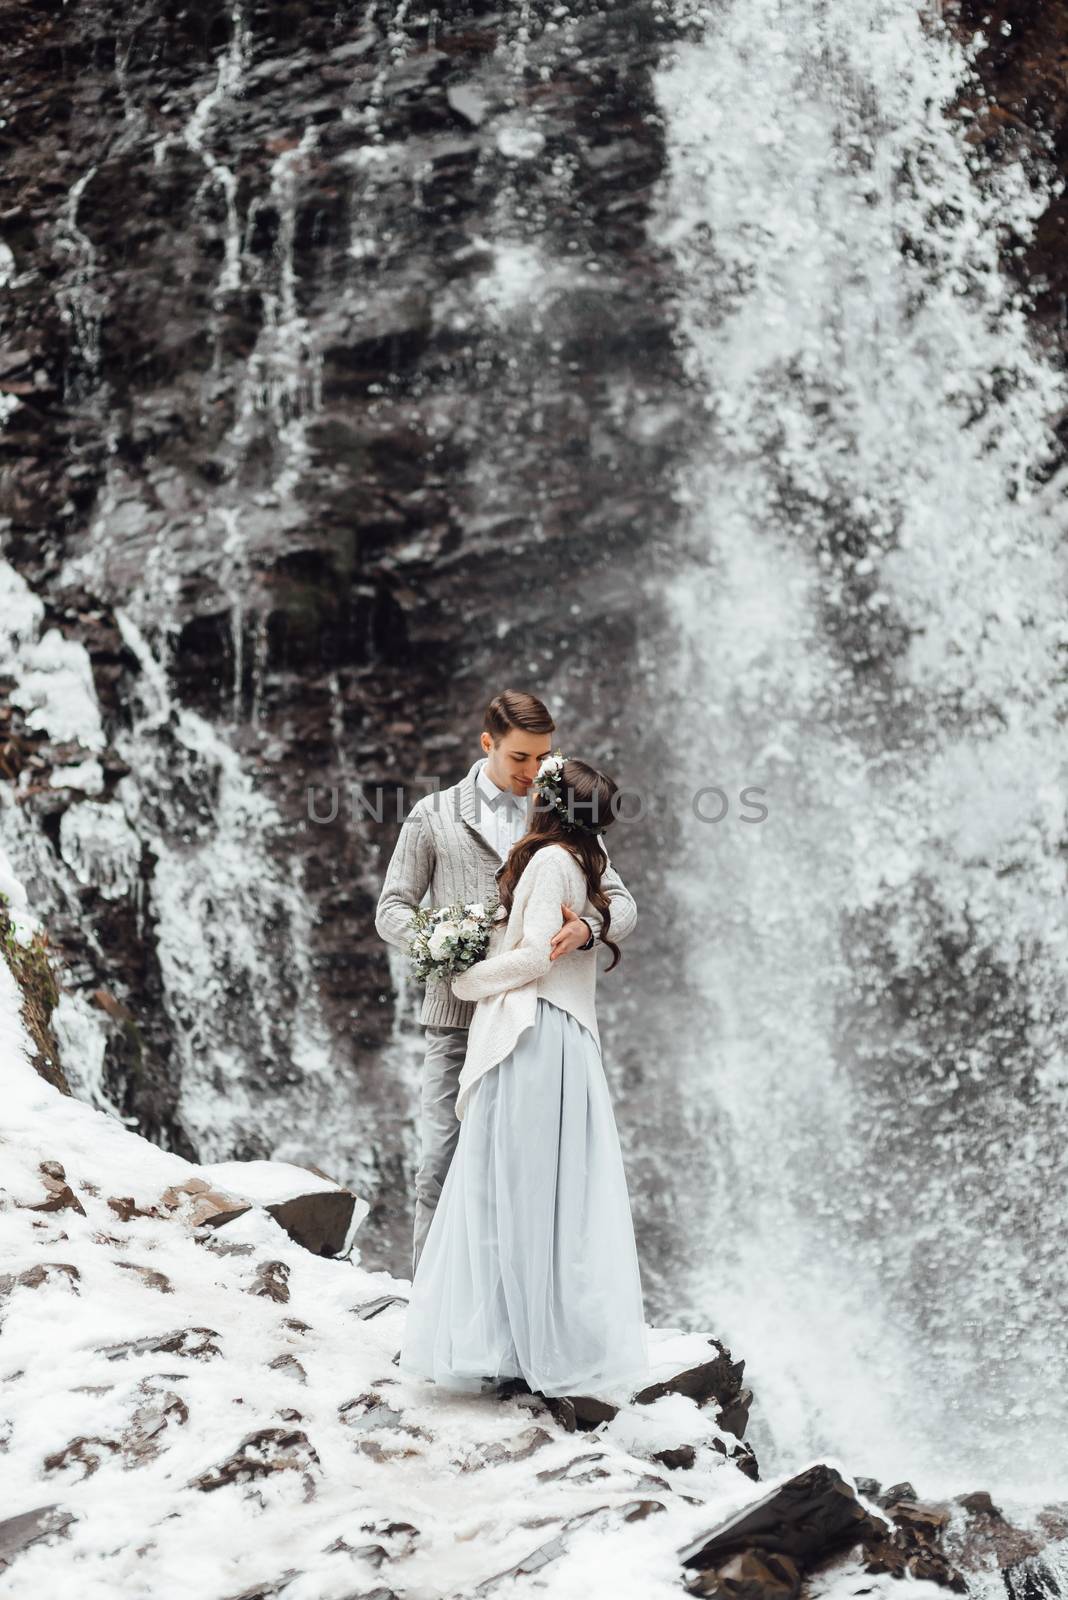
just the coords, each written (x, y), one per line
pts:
(454, 844)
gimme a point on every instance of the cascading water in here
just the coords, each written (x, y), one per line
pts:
(410, 359)
(252, 484)
(228, 918)
(229, 929)
(871, 603)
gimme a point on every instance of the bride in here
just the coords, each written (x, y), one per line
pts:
(530, 1268)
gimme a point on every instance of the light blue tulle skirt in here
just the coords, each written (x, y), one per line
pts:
(529, 1268)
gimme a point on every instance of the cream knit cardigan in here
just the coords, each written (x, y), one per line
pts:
(442, 855)
(516, 969)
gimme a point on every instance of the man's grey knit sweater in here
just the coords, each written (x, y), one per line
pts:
(442, 857)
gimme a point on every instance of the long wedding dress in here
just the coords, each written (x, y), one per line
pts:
(530, 1268)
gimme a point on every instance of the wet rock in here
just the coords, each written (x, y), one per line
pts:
(532, 1404)
(914, 1546)
(751, 1575)
(193, 1343)
(199, 1204)
(369, 1413)
(1015, 106)
(604, 1517)
(277, 1586)
(1033, 1578)
(263, 1454)
(223, 1247)
(161, 1411)
(810, 1516)
(386, 1452)
(402, 1536)
(320, 1221)
(580, 1469)
(371, 1308)
(468, 103)
(717, 1382)
(59, 1196)
(989, 1540)
(272, 1280)
(385, 341)
(12, 361)
(373, 1554)
(63, 1272)
(149, 1276)
(579, 1412)
(126, 1208)
(742, 1455)
(29, 1528)
(84, 1453)
(289, 1364)
(896, 1491)
(684, 1455)
(269, 1588)
(196, 1202)
(498, 1452)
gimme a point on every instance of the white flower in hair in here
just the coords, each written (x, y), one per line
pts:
(548, 781)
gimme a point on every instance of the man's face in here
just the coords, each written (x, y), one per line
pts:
(514, 763)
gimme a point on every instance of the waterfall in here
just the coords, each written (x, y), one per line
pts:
(870, 604)
(366, 383)
(229, 77)
(81, 306)
(229, 928)
(189, 835)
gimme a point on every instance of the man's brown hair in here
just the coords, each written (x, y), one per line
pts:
(514, 709)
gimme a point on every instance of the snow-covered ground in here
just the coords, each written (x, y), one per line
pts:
(390, 1486)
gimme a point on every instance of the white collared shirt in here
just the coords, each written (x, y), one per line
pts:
(501, 824)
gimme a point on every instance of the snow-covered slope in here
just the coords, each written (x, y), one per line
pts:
(213, 1410)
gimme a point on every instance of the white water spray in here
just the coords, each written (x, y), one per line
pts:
(871, 603)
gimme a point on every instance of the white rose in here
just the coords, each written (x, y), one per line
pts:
(470, 925)
(442, 940)
(477, 910)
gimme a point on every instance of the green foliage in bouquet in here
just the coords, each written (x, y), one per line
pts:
(449, 939)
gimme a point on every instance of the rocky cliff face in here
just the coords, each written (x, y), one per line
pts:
(348, 377)
(342, 393)
(1021, 109)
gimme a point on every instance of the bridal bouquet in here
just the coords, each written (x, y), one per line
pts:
(450, 939)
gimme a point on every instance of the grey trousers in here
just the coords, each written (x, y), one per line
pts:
(439, 1126)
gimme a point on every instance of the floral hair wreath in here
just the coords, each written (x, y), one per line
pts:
(548, 781)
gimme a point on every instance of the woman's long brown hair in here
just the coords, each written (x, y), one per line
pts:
(591, 794)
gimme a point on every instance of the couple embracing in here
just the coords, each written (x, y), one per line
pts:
(524, 1263)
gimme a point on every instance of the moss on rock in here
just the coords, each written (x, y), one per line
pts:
(33, 973)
